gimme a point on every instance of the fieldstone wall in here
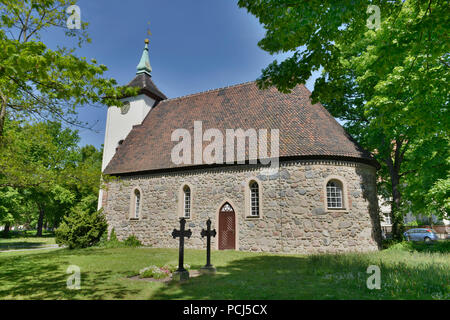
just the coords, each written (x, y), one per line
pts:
(294, 216)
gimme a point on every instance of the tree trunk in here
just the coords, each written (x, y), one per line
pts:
(396, 215)
(394, 173)
(6, 230)
(2, 116)
(40, 221)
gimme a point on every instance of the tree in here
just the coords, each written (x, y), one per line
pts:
(43, 163)
(10, 207)
(438, 198)
(81, 228)
(388, 84)
(425, 176)
(40, 161)
(34, 157)
(38, 82)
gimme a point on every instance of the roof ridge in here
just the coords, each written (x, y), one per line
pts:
(208, 91)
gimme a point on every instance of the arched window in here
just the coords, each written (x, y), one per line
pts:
(137, 203)
(334, 195)
(254, 199)
(187, 202)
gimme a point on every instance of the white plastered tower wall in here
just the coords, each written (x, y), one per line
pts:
(119, 125)
(119, 121)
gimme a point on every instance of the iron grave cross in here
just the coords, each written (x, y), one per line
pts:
(181, 272)
(208, 233)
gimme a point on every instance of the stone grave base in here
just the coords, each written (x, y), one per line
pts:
(180, 275)
(208, 270)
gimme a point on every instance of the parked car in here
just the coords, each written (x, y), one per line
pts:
(421, 234)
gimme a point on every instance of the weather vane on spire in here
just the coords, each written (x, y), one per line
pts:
(144, 63)
(148, 29)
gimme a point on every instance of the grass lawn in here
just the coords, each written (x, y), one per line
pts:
(42, 274)
(26, 240)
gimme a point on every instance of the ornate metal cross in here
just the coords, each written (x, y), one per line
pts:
(181, 234)
(208, 233)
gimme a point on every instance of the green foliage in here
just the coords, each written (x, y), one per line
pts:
(387, 243)
(114, 242)
(10, 200)
(388, 85)
(426, 182)
(441, 246)
(132, 241)
(35, 80)
(160, 272)
(41, 161)
(173, 266)
(414, 223)
(438, 198)
(47, 170)
(154, 272)
(81, 228)
(113, 236)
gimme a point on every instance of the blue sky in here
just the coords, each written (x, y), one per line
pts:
(195, 46)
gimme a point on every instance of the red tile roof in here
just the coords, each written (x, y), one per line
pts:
(306, 130)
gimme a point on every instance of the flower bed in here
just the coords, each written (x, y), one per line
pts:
(159, 272)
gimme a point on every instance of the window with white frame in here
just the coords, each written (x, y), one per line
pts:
(254, 199)
(137, 203)
(187, 202)
(334, 195)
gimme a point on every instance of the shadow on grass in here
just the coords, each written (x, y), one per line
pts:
(43, 276)
(313, 277)
(26, 234)
(22, 245)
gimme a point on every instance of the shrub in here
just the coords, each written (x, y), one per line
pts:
(81, 228)
(171, 267)
(113, 242)
(160, 272)
(154, 272)
(112, 236)
(132, 241)
(388, 243)
(103, 239)
(442, 246)
(414, 223)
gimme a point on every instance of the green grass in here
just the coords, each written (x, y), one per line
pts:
(420, 246)
(240, 275)
(26, 240)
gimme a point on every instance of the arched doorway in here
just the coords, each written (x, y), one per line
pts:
(227, 227)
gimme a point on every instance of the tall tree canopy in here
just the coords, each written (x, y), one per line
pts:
(389, 84)
(36, 81)
(44, 173)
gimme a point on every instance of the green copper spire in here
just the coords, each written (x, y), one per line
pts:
(144, 64)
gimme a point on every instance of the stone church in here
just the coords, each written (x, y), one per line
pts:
(321, 198)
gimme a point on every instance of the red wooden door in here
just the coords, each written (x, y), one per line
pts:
(227, 227)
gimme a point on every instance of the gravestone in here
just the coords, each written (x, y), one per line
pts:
(208, 233)
(181, 273)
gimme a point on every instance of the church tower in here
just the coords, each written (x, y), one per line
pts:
(120, 121)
